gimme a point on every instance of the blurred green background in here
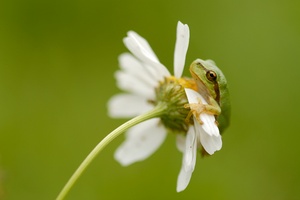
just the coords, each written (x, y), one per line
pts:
(57, 60)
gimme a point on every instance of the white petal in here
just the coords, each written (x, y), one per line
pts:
(143, 45)
(127, 105)
(188, 161)
(189, 158)
(140, 48)
(209, 124)
(210, 143)
(180, 142)
(133, 66)
(183, 179)
(136, 85)
(209, 134)
(142, 140)
(181, 47)
(192, 95)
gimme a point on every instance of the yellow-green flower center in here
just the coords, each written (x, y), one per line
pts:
(171, 93)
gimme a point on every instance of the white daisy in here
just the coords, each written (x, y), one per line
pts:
(140, 75)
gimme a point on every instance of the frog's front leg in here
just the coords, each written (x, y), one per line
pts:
(198, 108)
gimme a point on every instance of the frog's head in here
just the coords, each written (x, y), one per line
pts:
(208, 77)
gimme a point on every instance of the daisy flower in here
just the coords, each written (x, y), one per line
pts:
(147, 83)
(159, 103)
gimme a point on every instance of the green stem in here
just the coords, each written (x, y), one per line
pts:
(156, 112)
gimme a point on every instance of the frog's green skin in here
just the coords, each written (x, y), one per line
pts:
(213, 89)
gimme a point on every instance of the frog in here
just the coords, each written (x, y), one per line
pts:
(211, 84)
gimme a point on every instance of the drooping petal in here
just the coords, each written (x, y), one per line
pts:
(209, 134)
(181, 47)
(127, 105)
(141, 141)
(132, 65)
(209, 124)
(183, 179)
(136, 85)
(140, 48)
(180, 142)
(210, 143)
(188, 160)
(190, 149)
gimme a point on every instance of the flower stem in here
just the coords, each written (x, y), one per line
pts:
(156, 112)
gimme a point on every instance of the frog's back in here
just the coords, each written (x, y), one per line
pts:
(224, 118)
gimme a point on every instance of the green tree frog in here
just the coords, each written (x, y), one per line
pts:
(212, 85)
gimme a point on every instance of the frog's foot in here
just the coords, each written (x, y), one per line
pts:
(198, 108)
(195, 109)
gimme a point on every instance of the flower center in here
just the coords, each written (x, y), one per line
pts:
(171, 93)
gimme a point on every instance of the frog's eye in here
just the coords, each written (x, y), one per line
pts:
(211, 75)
